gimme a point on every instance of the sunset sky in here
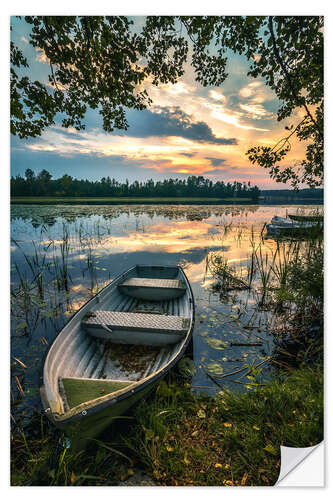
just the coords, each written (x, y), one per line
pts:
(187, 130)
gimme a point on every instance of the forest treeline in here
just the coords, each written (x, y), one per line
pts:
(194, 186)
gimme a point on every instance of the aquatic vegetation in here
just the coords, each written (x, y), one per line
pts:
(226, 277)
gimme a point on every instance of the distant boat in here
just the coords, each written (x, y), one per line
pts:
(116, 348)
(306, 218)
(283, 221)
(281, 226)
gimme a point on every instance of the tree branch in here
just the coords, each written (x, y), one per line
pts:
(288, 77)
(286, 139)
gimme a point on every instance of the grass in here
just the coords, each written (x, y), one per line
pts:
(230, 439)
(47, 460)
(288, 273)
(118, 200)
(182, 439)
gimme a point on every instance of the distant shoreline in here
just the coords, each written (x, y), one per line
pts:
(94, 200)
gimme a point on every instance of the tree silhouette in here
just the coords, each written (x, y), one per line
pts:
(193, 186)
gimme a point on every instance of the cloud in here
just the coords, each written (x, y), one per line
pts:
(250, 89)
(214, 171)
(215, 161)
(166, 122)
(256, 111)
(188, 155)
(234, 119)
(216, 95)
(41, 56)
(178, 88)
(69, 132)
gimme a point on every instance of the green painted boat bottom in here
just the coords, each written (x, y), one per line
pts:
(83, 432)
(79, 391)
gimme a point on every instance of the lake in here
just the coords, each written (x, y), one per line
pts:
(63, 254)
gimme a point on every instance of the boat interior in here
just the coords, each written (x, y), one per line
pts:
(81, 367)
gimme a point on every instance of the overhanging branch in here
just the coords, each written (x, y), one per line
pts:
(288, 77)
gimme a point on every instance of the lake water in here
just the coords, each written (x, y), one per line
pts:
(61, 255)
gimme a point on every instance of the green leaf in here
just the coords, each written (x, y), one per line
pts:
(270, 449)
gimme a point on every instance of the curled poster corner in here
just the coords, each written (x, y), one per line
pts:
(292, 457)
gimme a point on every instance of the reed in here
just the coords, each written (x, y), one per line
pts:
(251, 269)
(226, 277)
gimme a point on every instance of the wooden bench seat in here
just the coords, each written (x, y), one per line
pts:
(153, 288)
(135, 328)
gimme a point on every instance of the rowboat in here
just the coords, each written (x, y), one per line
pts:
(306, 218)
(281, 226)
(283, 221)
(116, 348)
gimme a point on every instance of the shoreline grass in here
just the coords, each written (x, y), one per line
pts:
(181, 439)
(232, 439)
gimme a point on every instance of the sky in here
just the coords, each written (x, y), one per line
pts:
(188, 130)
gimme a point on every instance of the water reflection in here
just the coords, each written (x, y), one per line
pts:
(48, 214)
(60, 255)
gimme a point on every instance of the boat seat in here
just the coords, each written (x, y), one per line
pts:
(153, 288)
(129, 327)
(75, 391)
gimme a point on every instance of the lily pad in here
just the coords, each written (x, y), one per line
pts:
(216, 343)
(215, 368)
(21, 325)
(233, 316)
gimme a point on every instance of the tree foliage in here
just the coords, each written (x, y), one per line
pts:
(193, 186)
(288, 53)
(102, 63)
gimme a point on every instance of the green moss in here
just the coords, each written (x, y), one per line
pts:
(80, 391)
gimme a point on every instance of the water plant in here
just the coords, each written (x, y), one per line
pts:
(226, 278)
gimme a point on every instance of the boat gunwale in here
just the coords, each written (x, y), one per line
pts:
(67, 325)
(103, 402)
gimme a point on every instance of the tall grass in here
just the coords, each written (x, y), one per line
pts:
(282, 275)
